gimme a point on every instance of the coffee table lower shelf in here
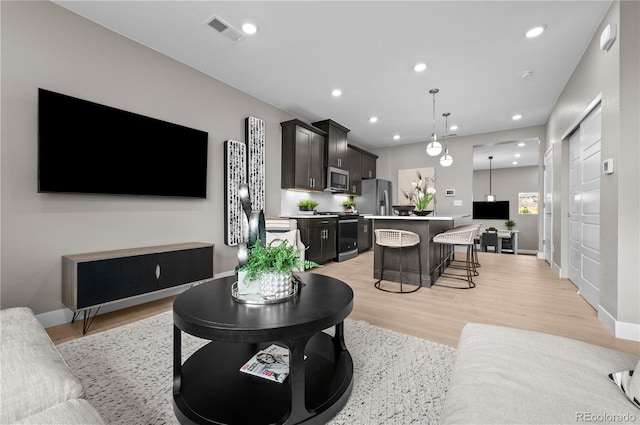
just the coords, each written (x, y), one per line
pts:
(212, 390)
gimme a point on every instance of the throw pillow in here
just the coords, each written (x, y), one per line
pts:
(629, 383)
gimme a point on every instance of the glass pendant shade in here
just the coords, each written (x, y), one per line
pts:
(434, 148)
(446, 160)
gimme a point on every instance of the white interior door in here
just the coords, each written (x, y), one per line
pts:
(584, 207)
(547, 206)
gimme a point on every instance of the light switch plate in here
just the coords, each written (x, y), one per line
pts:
(457, 202)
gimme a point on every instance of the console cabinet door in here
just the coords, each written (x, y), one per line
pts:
(116, 278)
(188, 265)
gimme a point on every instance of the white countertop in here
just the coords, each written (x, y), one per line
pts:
(413, 217)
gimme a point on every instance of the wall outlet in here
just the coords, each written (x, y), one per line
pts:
(450, 192)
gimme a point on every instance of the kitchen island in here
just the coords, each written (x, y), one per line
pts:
(430, 253)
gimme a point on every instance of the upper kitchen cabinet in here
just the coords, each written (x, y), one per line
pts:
(303, 149)
(336, 143)
(354, 161)
(368, 165)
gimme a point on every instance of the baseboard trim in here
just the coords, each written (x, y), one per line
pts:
(622, 330)
(540, 255)
(64, 315)
(555, 268)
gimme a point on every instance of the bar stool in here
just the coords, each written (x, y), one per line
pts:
(476, 242)
(464, 236)
(393, 238)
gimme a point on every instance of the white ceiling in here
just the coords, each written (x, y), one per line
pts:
(475, 52)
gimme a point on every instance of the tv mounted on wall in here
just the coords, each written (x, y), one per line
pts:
(85, 147)
(498, 210)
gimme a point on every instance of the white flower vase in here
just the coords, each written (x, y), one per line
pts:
(271, 286)
(275, 285)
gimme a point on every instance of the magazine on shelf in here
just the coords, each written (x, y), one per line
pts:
(272, 363)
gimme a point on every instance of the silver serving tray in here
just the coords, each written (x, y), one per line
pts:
(259, 299)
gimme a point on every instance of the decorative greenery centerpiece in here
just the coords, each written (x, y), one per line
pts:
(269, 270)
(421, 193)
(510, 224)
(349, 204)
(307, 205)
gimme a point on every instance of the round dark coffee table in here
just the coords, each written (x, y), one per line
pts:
(209, 388)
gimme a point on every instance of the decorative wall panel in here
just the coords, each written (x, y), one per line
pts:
(255, 136)
(235, 173)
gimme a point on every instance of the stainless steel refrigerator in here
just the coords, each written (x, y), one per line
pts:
(376, 197)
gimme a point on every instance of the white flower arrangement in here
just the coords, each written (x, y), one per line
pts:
(421, 193)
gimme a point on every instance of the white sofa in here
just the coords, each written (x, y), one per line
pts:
(37, 386)
(511, 376)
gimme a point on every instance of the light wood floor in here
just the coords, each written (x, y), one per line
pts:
(512, 290)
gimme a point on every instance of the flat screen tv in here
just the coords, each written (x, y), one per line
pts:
(498, 210)
(85, 147)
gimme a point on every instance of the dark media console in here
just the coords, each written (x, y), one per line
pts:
(95, 279)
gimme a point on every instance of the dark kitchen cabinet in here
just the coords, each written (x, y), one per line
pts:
(368, 165)
(319, 237)
(354, 160)
(303, 150)
(336, 147)
(364, 234)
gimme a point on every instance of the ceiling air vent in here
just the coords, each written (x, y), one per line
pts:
(225, 29)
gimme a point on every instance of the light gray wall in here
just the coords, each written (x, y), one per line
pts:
(44, 45)
(615, 75)
(506, 184)
(458, 176)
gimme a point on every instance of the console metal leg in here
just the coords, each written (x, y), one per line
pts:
(87, 320)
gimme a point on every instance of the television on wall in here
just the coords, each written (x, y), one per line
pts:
(498, 210)
(85, 147)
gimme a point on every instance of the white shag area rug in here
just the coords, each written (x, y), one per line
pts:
(127, 373)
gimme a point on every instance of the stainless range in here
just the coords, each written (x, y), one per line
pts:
(347, 238)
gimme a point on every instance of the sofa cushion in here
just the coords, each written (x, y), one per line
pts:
(70, 412)
(34, 375)
(505, 375)
(629, 383)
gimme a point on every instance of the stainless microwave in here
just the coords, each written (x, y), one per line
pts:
(337, 179)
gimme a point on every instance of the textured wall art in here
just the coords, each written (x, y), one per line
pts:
(235, 172)
(255, 136)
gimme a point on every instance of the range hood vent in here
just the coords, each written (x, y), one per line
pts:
(225, 29)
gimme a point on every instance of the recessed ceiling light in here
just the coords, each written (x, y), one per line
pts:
(419, 67)
(336, 92)
(517, 155)
(396, 137)
(249, 28)
(453, 128)
(373, 119)
(516, 117)
(535, 31)
(515, 163)
(521, 144)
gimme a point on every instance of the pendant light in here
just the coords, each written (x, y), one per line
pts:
(490, 198)
(446, 160)
(434, 147)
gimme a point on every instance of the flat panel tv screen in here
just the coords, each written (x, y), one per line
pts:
(85, 147)
(498, 210)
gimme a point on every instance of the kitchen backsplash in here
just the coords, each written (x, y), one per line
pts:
(326, 201)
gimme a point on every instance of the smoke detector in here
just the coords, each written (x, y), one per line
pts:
(225, 29)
